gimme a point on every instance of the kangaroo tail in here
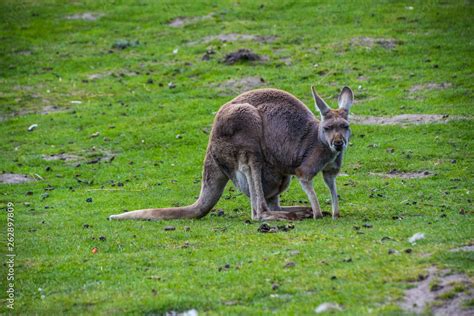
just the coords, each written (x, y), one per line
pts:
(212, 186)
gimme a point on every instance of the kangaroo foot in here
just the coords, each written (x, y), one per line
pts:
(301, 212)
(285, 215)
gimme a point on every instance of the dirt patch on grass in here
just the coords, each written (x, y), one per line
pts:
(402, 119)
(14, 178)
(404, 175)
(430, 86)
(464, 248)
(370, 42)
(63, 157)
(116, 74)
(86, 157)
(99, 75)
(86, 16)
(237, 86)
(48, 109)
(181, 21)
(242, 55)
(235, 37)
(441, 293)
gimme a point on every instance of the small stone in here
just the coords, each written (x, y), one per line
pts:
(171, 85)
(169, 228)
(89, 200)
(32, 127)
(275, 286)
(86, 226)
(392, 252)
(367, 225)
(290, 264)
(408, 250)
(94, 135)
(220, 212)
(102, 238)
(179, 136)
(187, 228)
(327, 307)
(149, 81)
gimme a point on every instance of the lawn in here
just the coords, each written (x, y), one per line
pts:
(123, 96)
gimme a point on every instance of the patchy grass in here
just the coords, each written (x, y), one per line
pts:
(130, 102)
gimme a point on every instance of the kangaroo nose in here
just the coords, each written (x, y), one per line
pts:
(339, 144)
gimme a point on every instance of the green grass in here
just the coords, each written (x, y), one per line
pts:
(45, 59)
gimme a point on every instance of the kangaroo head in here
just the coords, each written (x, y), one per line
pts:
(334, 127)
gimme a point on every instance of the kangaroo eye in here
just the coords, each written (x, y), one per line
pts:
(344, 126)
(327, 128)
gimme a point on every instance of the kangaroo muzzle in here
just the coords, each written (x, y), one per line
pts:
(339, 144)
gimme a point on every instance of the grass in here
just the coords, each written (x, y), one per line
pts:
(139, 268)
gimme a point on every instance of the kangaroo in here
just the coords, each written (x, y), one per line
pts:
(259, 140)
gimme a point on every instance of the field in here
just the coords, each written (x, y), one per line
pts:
(107, 107)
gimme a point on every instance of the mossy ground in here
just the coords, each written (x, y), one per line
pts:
(46, 59)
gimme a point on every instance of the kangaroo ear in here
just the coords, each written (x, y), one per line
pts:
(321, 106)
(345, 99)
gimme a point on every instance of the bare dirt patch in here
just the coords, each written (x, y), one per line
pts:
(63, 157)
(237, 86)
(48, 109)
(430, 86)
(370, 42)
(235, 37)
(464, 248)
(14, 178)
(181, 21)
(404, 175)
(242, 55)
(440, 292)
(116, 74)
(99, 75)
(402, 119)
(85, 157)
(86, 16)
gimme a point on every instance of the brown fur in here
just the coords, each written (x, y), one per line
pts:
(258, 141)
